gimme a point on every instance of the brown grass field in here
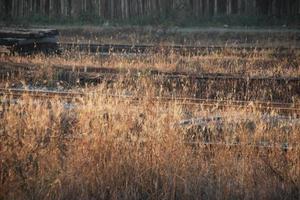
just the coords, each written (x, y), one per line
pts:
(229, 61)
(101, 147)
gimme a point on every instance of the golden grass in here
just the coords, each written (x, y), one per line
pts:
(105, 148)
(226, 61)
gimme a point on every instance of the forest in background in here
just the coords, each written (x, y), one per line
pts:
(149, 11)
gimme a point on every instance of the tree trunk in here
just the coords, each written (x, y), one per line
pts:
(50, 7)
(250, 6)
(269, 7)
(254, 7)
(76, 8)
(62, 8)
(288, 8)
(99, 8)
(42, 7)
(2, 11)
(140, 7)
(6, 8)
(20, 7)
(239, 7)
(229, 7)
(30, 7)
(207, 8)
(274, 7)
(200, 7)
(13, 8)
(112, 6)
(122, 9)
(216, 8)
(126, 9)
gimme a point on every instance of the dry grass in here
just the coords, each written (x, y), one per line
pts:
(107, 148)
(227, 61)
(111, 149)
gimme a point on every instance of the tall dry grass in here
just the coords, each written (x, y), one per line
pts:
(253, 63)
(107, 148)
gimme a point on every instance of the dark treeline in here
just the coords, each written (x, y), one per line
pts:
(125, 9)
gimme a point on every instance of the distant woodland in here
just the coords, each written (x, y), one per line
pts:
(126, 9)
